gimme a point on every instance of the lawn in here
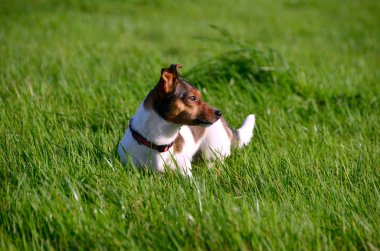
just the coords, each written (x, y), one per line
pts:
(72, 74)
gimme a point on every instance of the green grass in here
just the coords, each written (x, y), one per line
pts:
(73, 73)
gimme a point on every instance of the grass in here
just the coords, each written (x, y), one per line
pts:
(73, 73)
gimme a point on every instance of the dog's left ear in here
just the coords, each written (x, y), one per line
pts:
(168, 76)
(174, 68)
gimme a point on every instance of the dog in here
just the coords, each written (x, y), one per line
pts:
(173, 125)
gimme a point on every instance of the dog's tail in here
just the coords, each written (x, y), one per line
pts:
(243, 135)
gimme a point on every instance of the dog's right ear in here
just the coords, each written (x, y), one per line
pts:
(167, 80)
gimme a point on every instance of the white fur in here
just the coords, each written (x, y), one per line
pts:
(215, 143)
(154, 129)
(245, 132)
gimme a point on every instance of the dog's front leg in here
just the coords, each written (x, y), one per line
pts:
(184, 165)
(174, 162)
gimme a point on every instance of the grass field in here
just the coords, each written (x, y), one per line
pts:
(72, 73)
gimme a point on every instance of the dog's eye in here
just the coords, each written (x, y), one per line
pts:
(193, 98)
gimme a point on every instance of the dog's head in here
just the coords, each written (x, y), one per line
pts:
(179, 102)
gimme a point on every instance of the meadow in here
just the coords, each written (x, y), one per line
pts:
(72, 73)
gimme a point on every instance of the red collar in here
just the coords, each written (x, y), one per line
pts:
(143, 141)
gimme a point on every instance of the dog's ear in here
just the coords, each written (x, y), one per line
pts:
(167, 81)
(174, 68)
(168, 77)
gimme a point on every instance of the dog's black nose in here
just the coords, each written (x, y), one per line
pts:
(218, 113)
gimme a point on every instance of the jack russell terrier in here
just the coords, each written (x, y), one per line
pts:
(173, 125)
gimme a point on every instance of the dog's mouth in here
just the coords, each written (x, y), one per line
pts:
(201, 122)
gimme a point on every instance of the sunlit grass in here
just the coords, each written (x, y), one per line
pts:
(73, 73)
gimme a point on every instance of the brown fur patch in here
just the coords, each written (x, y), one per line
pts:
(178, 143)
(197, 132)
(148, 102)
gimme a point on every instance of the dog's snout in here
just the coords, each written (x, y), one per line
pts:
(218, 113)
